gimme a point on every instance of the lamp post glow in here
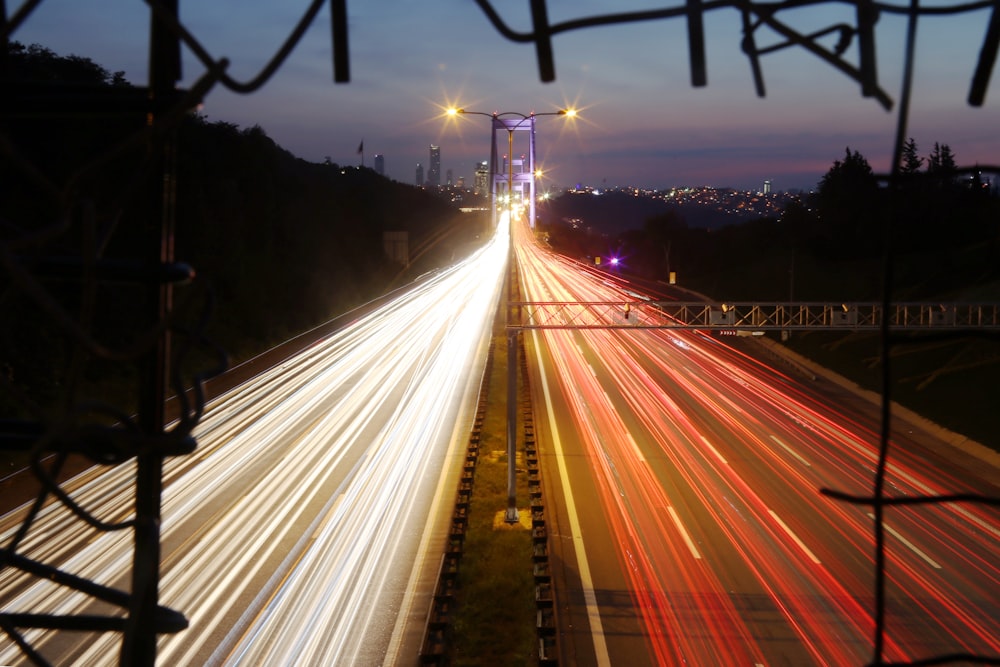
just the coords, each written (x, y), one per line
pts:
(513, 121)
(500, 120)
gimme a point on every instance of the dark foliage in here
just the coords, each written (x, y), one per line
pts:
(944, 232)
(615, 212)
(287, 243)
(280, 243)
(39, 64)
(851, 212)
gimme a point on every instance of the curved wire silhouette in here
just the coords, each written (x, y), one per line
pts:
(113, 445)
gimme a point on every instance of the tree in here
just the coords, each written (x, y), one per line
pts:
(38, 63)
(851, 176)
(911, 206)
(910, 161)
(847, 200)
(658, 236)
(941, 163)
(797, 222)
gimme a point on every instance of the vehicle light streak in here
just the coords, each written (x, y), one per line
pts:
(708, 465)
(291, 535)
(590, 599)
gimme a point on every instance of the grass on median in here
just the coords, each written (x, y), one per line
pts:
(494, 619)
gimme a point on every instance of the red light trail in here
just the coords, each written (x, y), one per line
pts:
(706, 467)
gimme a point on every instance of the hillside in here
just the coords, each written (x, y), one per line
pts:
(952, 381)
(614, 212)
(277, 244)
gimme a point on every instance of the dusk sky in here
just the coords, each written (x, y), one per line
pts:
(642, 123)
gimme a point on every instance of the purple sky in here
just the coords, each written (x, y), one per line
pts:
(641, 123)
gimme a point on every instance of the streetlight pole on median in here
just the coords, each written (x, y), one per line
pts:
(512, 125)
(512, 121)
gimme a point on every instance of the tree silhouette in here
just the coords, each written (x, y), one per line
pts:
(848, 202)
(941, 159)
(910, 161)
(941, 165)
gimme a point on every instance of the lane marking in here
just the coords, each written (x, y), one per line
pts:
(795, 537)
(443, 490)
(714, 450)
(635, 446)
(684, 533)
(791, 451)
(589, 595)
(910, 545)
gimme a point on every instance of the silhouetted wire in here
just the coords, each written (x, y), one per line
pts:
(885, 427)
(27, 649)
(867, 13)
(23, 279)
(191, 410)
(339, 36)
(338, 31)
(207, 60)
(83, 429)
(754, 15)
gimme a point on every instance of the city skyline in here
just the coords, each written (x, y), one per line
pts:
(467, 176)
(641, 123)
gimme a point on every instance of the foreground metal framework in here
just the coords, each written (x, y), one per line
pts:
(753, 316)
(148, 441)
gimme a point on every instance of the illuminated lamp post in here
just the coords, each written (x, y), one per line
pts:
(512, 121)
(501, 120)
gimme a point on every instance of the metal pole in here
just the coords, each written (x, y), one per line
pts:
(510, 177)
(531, 168)
(511, 515)
(494, 170)
(141, 626)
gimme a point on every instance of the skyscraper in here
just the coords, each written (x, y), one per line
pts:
(481, 186)
(380, 164)
(420, 175)
(434, 171)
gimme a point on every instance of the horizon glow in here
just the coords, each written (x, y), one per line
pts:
(641, 124)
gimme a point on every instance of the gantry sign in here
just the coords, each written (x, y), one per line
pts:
(739, 319)
(751, 316)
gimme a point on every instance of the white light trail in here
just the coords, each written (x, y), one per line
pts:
(288, 536)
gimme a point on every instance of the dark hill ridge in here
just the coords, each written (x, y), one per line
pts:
(278, 245)
(615, 212)
(282, 244)
(288, 237)
(945, 244)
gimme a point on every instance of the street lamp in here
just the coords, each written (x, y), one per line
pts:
(512, 121)
(501, 120)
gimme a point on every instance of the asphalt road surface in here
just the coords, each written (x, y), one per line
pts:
(682, 480)
(308, 526)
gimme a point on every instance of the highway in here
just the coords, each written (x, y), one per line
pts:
(682, 480)
(308, 527)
